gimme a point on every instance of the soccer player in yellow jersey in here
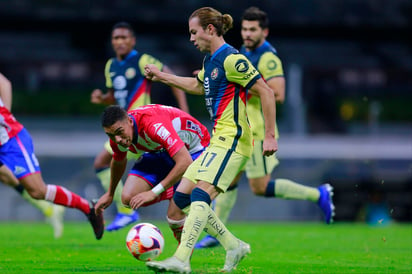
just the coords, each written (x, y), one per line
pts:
(127, 87)
(225, 78)
(258, 169)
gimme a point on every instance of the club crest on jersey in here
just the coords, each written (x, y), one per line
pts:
(214, 74)
(119, 82)
(130, 73)
(242, 66)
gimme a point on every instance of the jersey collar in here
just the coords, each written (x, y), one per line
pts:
(130, 55)
(223, 47)
(135, 130)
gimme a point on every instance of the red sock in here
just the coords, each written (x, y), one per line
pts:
(62, 196)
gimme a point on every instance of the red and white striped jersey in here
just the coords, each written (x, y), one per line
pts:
(159, 127)
(9, 126)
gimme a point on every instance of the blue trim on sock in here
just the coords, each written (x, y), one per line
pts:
(270, 189)
(182, 200)
(200, 195)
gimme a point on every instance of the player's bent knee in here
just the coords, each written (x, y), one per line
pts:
(126, 199)
(199, 194)
(182, 200)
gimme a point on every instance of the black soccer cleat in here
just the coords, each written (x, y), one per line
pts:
(96, 221)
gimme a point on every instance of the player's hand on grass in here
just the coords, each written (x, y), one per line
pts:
(142, 198)
(103, 203)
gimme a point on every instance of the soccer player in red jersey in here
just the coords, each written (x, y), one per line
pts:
(165, 140)
(17, 154)
(128, 88)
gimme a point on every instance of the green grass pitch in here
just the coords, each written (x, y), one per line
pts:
(29, 247)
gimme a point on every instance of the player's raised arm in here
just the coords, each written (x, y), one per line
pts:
(188, 84)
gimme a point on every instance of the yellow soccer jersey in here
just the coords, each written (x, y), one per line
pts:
(126, 77)
(226, 76)
(269, 65)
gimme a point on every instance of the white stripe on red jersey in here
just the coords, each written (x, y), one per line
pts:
(164, 128)
(9, 126)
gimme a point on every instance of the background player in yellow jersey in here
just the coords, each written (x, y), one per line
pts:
(53, 213)
(255, 29)
(225, 78)
(127, 87)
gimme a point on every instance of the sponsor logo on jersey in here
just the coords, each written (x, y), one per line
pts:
(242, 66)
(19, 170)
(215, 73)
(161, 131)
(195, 127)
(271, 65)
(170, 141)
(206, 86)
(130, 73)
(119, 82)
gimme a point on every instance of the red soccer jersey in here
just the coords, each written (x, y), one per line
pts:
(9, 126)
(159, 127)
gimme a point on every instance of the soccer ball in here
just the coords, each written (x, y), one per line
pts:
(145, 241)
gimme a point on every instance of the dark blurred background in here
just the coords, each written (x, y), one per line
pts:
(347, 118)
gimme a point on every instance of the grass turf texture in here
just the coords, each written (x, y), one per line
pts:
(28, 247)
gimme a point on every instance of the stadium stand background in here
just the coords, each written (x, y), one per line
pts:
(347, 116)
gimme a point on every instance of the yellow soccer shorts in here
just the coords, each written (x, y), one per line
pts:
(258, 165)
(216, 165)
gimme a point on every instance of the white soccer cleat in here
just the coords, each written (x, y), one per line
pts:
(56, 220)
(234, 256)
(171, 264)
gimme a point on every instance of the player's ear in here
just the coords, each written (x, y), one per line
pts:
(266, 32)
(129, 120)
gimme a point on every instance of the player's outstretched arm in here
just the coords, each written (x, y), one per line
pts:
(188, 84)
(117, 169)
(178, 93)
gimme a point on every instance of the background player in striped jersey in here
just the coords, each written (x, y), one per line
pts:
(17, 154)
(225, 78)
(254, 31)
(127, 87)
(166, 140)
(53, 213)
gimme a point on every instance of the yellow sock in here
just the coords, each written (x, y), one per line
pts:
(104, 177)
(44, 206)
(224, 203)
(195, 222)
(288, 189)
(217, 229)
